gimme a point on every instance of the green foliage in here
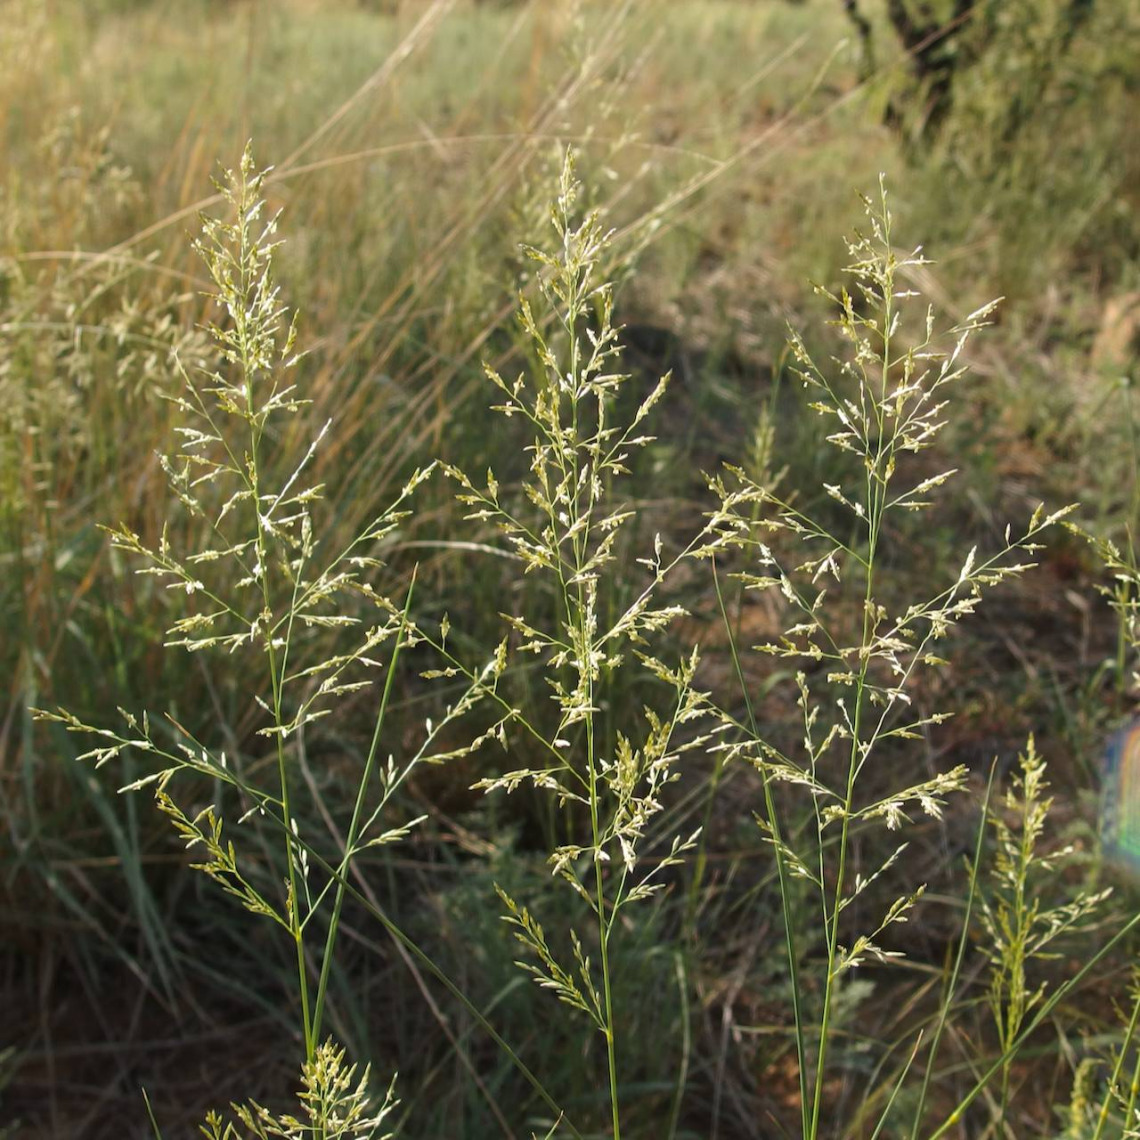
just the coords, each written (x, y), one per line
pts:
(1033, 118)
(314, 682)
(578, 455)
(263, 587)
(885, 401)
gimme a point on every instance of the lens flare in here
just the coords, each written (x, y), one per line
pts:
(1120, 808)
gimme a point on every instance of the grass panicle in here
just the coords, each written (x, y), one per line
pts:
(322, 626)
(567, 528)
(265, 587)
(860, 649)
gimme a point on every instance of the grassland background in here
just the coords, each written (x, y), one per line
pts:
(414, 148)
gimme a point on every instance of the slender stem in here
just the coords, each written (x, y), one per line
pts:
(876, 489)
(1114, 1082)
(897, 1089)
(732, 629)
(436, 971)
(595, 827)
(611, 1051)
(853, 765)
(1013, 965)
(354, 824)
(1043, 1011)
(833, 932)
(604, 927)
(1133, 1092)
(686, 1045)
(579, 618)
(781, 868)
(249, 366)
(952, 985)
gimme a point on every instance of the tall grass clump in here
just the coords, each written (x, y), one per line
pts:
(567, 528)
(861, 651)
(264, 589)
(314, 623)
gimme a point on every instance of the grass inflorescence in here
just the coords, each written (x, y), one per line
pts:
(441, 658)
(264, 587)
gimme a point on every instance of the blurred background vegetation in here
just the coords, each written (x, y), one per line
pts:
(415, 145)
